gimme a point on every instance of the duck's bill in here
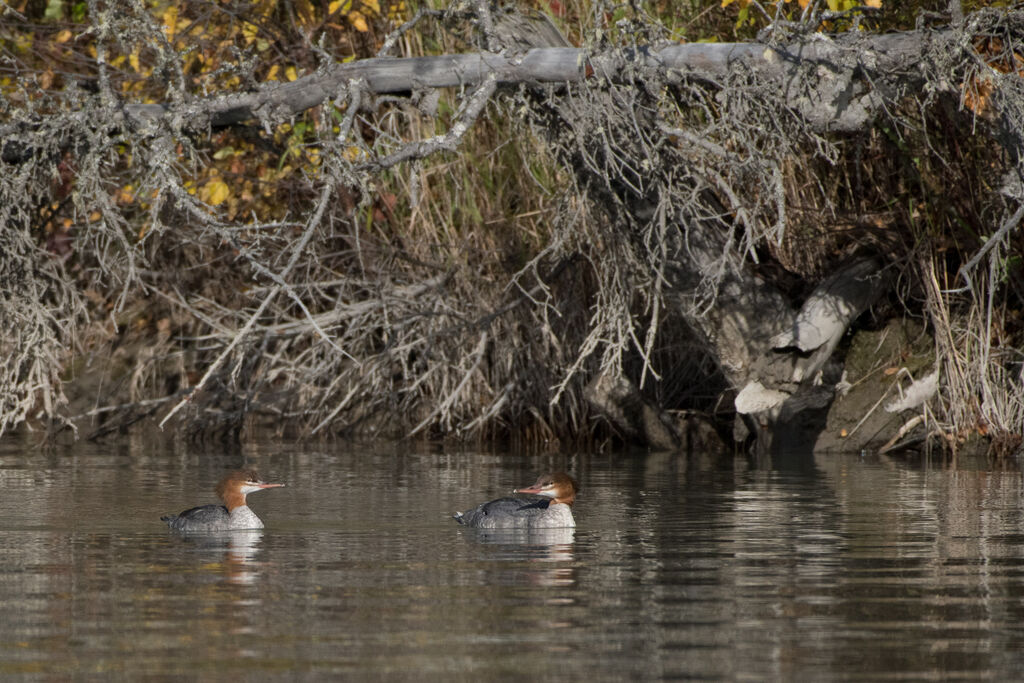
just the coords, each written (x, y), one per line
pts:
(537, 489)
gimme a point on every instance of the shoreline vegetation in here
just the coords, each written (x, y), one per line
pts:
(785, 226)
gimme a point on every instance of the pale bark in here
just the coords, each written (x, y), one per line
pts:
(853, 78)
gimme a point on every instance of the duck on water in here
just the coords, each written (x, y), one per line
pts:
(233, 515)
(552, 510)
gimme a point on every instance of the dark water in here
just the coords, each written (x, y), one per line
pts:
(681, 567)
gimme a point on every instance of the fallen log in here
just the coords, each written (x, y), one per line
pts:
(854, 76)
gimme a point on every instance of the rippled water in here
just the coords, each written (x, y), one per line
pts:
(681, 567)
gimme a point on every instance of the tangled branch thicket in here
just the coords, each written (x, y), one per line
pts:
(694, 181)
(349, 312)
(376, 297)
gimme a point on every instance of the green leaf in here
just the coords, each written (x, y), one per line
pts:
(54, 10)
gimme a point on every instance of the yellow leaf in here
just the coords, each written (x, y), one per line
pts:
(304, 10)
(249, 32)
(358, 22)
(170, 19)
(133, 60)
(343, 5)
(370, 6)
(266, 7)
(63, 37)
(396, 11)
(272, 74)
(290, 73)
(877, 4)
(218, 191)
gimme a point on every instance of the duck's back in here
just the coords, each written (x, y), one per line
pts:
(202, 518)
(518, 513)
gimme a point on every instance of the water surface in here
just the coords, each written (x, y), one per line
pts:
(847, 568)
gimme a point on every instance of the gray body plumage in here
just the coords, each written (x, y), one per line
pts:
(214, 518)
(518, 513)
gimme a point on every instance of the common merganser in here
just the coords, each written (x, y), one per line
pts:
(552, 511)
(233, 515)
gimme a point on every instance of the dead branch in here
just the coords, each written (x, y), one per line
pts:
(876, 58)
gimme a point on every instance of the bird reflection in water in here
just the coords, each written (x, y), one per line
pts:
(234, 553)
(548, 552)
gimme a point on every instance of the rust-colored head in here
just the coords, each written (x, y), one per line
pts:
(233, 488)
(558, 486)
